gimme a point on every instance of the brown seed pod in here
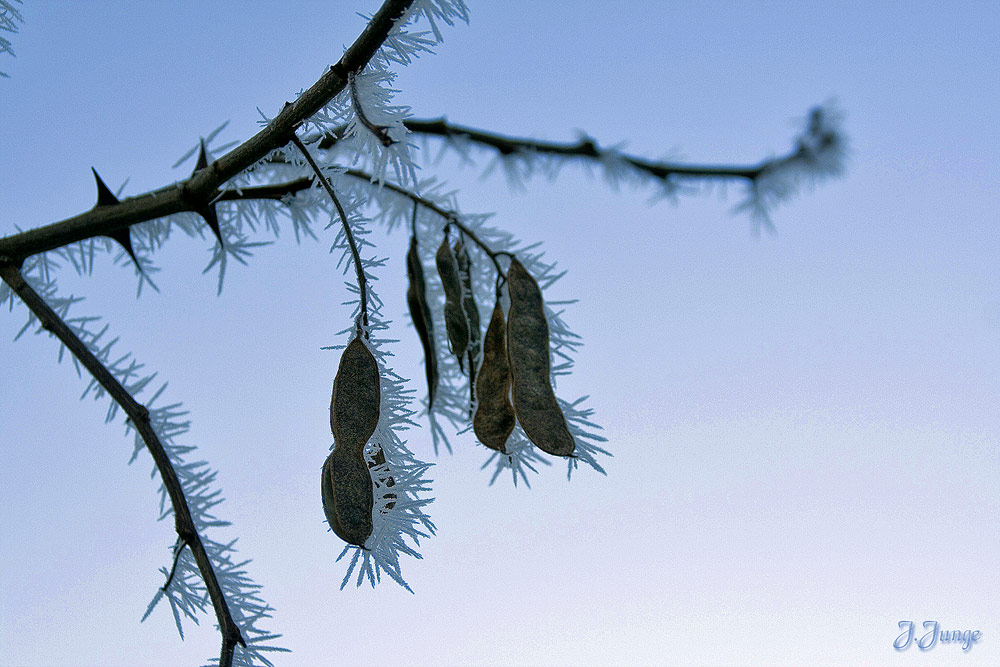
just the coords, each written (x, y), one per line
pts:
(420, 313)
(454, 314)
(464, 263)
(494, 418)
(354, 412)
(535, 402)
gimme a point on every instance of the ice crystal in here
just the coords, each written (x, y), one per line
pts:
(820, 151)
(9, 18)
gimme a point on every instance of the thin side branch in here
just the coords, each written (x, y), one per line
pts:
(355, 255)
(139, 417)
(450, 217)
(178, 550)
(277, 191)
(584, 148)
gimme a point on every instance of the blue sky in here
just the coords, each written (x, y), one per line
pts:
(804, 424)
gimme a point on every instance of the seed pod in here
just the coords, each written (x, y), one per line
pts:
(494, 419)
(464, 263)
(420, 313)
(354, 412)
(535, 402)
(454, 315)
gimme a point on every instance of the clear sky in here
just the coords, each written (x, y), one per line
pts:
(805, 425)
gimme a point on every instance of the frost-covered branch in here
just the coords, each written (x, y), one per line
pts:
(138, 415)
(202, 570)
(586, 147)
(196, 193)
(818, 153)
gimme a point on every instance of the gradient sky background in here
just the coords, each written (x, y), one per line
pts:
(805, 425)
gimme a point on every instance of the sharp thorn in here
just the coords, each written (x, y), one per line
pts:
(124, 238)
(104, 195)
(207, 212)
(202, 158)
(213, 221)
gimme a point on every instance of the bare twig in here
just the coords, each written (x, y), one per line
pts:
(450, 217)
(583, 148)
(178, 550)
(139, 417)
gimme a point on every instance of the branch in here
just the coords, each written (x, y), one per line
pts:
(584, 148)
(138, 415)
(450, 217)
(105, 220)
(195, 193)
(277, 191)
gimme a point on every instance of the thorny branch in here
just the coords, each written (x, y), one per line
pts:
(138, 415)
(106, 220)
(196, 192)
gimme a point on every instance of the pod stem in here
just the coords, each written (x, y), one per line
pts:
(450, 217)
(362, 281)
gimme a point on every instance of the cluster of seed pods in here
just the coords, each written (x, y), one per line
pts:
(509, 381)
(508, 367)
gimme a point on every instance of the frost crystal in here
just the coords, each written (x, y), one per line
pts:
(819, 154)
(9, 18)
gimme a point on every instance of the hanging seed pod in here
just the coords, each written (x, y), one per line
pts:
(454, 314)
(464, 263)
(494, 418)
(354, 412)
(535, 402)
(420, 313)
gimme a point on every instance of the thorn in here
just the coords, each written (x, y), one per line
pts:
(213, 221)
(124, 238)
(208, 212)
(202, 158)
(104, 195)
